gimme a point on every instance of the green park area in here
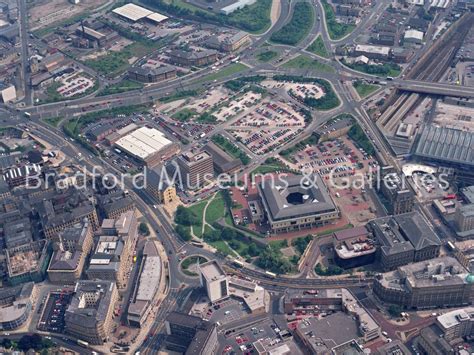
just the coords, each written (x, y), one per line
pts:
(318, 47)
(266, 56)
(122, 86)
(231, 148)
(385, 69)
(336, 30)
(271, 165)
(364, 89)
(304, 62)
(298, 27)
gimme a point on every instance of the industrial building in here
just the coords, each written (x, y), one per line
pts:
(413, 36)
(147, 145)
(134, 13)
(447, 146)
(147, 286)
(295, 203)
(195, 168)
(239, 4)
(441, 282)
(89, 315)
(372, 52)
(403, 239)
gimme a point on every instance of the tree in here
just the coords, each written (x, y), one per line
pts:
(394, 310)
(185, 217)
(228, 234)
(212, 236)
(6, 343)
(183, 232)
(252, 249)
(143, 229)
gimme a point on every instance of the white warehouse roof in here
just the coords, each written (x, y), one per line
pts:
(373, 49)
(414, 34)
(143, 142)
(134, 13)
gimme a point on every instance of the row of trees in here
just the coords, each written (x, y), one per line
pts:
(356, 133)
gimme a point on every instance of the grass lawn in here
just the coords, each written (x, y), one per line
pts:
(267, 56)
(221, 246)
(318, 48)
(215, 210)
(115, 63)
(336, 30)
(184, 115)
(53, 121)
(305, 62)
(364, 89)
(224, 72)
(270, 167)
(123, 86)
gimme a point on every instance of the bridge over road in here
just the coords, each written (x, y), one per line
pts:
(425, 87)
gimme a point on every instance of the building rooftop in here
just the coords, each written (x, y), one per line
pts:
(468, 193)
(373, 49)
(351, 233)
(446, 144)
(14, 301)
(134, 13)
(143, 142)
(453, 318)
(27, 258)
(414, 34)
(221, 159)
(295, 196)
(212, 271)
(408, 231)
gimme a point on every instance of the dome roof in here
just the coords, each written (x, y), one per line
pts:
(470, 278)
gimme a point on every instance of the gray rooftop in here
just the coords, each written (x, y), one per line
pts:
(295, 196)
(446, 144)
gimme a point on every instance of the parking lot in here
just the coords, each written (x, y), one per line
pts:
(226, 311)
(298, 90)
(52, 319)
(340, 162)
(263, 141)
(241, 341)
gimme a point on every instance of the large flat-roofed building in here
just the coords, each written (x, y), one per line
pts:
(89, 315)
(152, 75)
(148, 145)
(28, 262)
(373, 52)
(112, 257)
(146, 287)
(7, 93)
(396, 191)
(295, 203)
(68, 259)
(334, 300)
(403, 239)
(16, 304)
(197, 58)
(214, 280)
(239, 4)
(457, 324)
(447, 146)
(229, 42)
(134, 13)
(441, 282)
(464, 218)
(195, 168)
(354, 247)
(395, 347)
(17, 232)
(190, 335)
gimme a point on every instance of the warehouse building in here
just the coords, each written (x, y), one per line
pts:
(239, 4)
(295, 203)
(134, 13)
(413, 36)
(147, 145)
(372, 52)
(447, 146)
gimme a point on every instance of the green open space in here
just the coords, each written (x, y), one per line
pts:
(336, 30)
(231, 69)
(266, 56)
(123, 86)
(385, 69)
(271, 165)
(231, 148)
(357, 134)
(53, 121)
(184, 115)
(318, 47)
(178, 95)
(254, 18)
(298, 27)
(304, 62)
(364, 89)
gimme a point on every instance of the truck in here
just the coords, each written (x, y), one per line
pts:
(27, 114)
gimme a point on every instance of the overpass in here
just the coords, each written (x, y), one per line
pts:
(424, 87)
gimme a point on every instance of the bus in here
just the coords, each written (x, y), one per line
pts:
(451, 246)
(270, 274)
(27, 115)
(238, 263)
(83, 343)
